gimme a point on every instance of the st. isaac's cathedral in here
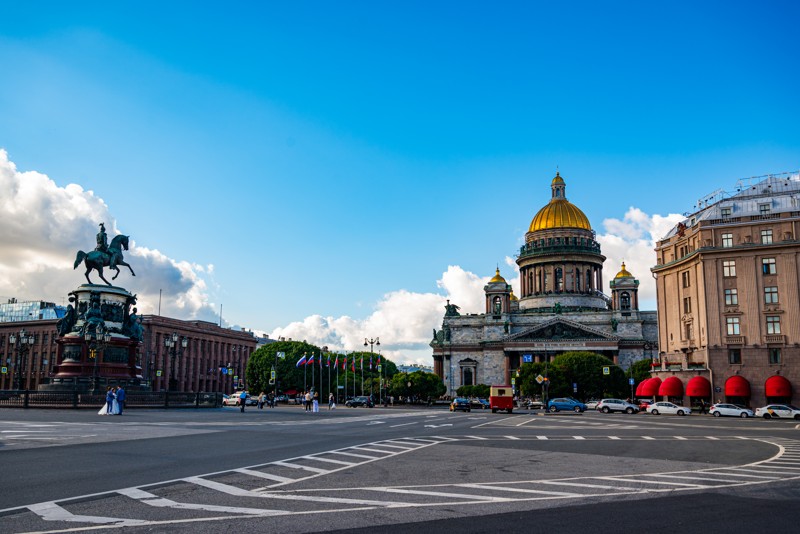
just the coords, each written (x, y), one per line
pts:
(561, 307)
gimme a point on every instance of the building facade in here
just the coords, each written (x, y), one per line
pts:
(203, 365)
(561, 308)
(728, 284)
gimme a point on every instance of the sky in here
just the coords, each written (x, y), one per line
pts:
(330, 171)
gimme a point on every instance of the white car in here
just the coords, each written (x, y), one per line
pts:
(779, 411)
(233, 400)
(592, 404)
(616, 405)
(731, 410)
(668, 408)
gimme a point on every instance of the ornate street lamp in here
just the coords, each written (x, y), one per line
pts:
(371, 342)
(175, 346)
(21, 348)
(96, 340)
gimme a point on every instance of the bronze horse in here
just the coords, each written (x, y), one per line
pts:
(97, 259)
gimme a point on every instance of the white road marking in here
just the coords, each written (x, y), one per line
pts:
(160, 502)
(261, 474)
(403, 424)
(354, 455)
(511, 437)
(329, 460)
(304, 467)
(516, 490)
(542, 437)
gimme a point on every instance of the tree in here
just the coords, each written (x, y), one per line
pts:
(582, 368)
(419, 386)
(640, 370)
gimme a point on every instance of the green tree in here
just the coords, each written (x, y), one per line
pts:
(582, 368)
(419, 385)
(640, 370)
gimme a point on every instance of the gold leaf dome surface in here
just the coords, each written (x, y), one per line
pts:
(623, 273)
(497, 278)
(559, 212)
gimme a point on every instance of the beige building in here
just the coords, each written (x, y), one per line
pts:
(727, 279)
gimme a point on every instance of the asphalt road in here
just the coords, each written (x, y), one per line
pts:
(399, 470)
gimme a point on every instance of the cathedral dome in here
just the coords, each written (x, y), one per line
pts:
(497, 278)
(559, 212)
(623, 273)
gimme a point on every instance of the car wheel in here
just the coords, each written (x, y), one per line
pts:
(717, 414)
(743, 414)
(654, 412)
(605, 409)
(629, 410)
(553, 409)
(767, 416)
(680, 412)
(494, 410)
(511, 410)
(578, 409)
(797, 417)
(469, 409)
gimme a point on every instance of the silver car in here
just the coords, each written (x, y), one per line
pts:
(730, 410)
(616, 405)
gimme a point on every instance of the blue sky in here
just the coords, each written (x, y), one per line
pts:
(312, 165)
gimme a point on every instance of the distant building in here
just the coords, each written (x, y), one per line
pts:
(561, 308)
(728, 280)
(414, 368)
(14, 311)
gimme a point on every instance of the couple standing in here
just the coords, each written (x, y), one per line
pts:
(115, 401)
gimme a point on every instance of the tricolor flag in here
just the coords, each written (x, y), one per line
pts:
(353, 365)
(320, 361)
(370, 362)
(310, 360)
(362, 363)
(336, 362)
(379, 359)
(301, 361)
(328, 363)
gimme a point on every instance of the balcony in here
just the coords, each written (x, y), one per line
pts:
(777, 339)
(734, 340)
(533, 250)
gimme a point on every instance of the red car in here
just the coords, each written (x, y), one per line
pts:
(643, 404)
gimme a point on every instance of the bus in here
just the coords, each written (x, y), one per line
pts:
(501, 398)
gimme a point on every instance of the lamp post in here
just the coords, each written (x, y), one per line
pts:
(25, 342)
(371, 342)
(96, 340)
(175, 346)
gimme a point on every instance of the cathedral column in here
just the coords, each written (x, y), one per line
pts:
(508, 367)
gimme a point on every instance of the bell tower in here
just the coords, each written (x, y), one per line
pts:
(498, 295)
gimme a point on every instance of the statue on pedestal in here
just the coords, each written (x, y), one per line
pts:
(104, 255)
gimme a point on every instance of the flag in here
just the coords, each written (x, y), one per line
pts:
(362, 363)
(301, 361)
(370, 362)
(379, 359)
(353, 365)
(336, 362)
(328, 363)
(320, 361)
(310, 360)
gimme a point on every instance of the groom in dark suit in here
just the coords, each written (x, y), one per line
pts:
(121, 399)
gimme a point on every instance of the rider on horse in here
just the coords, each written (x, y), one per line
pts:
(102, 239)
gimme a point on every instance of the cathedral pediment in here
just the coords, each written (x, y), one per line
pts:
(561, 329)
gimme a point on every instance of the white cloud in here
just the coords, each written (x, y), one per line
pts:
(43, 227)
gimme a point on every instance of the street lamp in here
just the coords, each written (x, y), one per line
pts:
(96, 339)
(175, 347)
(371, 342)
(22, 348)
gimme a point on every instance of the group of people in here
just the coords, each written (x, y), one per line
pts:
(115, 401)
(266, 399)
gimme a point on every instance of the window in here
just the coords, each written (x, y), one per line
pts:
(732, 297)
(625, 301)
(559, 279)
(728, 268)
(773, 324)
(763, 209)
(687, 305)
(687, 281)
(734, 356)
(766, 237)
(688, 331)
(733, 325)
(727, 240)
(774, 356)
(726, 212)
(770, 295)
(768, 266)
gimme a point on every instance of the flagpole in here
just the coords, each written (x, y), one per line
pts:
(336, 364)
(362, 374)
(312, 374)
(345, 375)
(305, 371)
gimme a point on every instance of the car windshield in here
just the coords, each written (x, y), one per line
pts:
(792, 407)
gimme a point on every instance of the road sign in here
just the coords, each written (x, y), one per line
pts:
(158, 372)
(527, 358)
(340, 387)
(379, 368)
(606, 370)
(236, 378)
(630, 381)
(280, 354)
(539, 378)
(4, 369)
(513, 381)
(272, 375)
(224, 371)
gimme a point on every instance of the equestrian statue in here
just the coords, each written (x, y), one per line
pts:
(104, 255)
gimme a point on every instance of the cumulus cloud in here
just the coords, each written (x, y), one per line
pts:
(43, 227)
(632, 240)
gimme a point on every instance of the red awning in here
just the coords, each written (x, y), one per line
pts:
(736, 386)
(640, 387)
(671, 387)
(778, 386)
(698, 386)
(651, 386)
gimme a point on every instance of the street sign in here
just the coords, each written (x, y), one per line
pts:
(606, 370)
(224, 371)
(236, 378)
(158, 372)
(230, 371)
(630, 381)
(513, 381)
(280, 354)
(379, 368)
(272, 375)
(539, 378)
(527, 358)
(4, 369)
(340, 387)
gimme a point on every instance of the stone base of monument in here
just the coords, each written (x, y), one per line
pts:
(99, 342)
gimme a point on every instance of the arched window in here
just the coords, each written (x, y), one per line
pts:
(577, 279)
(467, 377)
(625, 301)
(588, 279)
(498, 306)
(559, 279)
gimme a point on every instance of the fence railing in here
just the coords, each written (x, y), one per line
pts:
(133, 399)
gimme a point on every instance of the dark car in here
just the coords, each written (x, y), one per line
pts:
(359, 401)
(460, 404)
(479, 404)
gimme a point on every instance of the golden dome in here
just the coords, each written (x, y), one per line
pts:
(559, 212)
(513, 297)
(623, 273)
(497, 278)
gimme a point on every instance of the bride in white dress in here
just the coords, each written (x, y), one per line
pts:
(114, 405)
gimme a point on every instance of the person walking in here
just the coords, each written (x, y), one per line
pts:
(261, 400)
(242, 400)
(316, 402)
(331, 403)
(110, 400)
(308, 401)
(121, 399)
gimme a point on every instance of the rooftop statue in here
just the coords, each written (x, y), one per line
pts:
(105, 255)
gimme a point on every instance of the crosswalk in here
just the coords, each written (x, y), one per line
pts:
(276, 489)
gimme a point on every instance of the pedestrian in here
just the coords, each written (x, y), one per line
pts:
(110, 400)
(308, 401)
(261, 400)
(242, 400)
(331, 403)
(316, 402)
(121, 399)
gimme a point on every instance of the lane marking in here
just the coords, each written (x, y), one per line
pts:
(261, 474)
(304, 467)
(329, 460)
(517, 490)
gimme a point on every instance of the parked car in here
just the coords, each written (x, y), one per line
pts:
(779, 411)
(565, 403)
(616, 405)
(643, 404)
(668, 408)
(731, 410)
(480, 404)
(359, 401)
(283, 399)
(233, 400)
(461, 404)
(591, 404)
